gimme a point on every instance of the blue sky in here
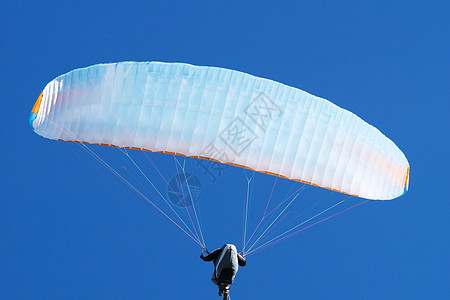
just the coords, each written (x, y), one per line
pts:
(70, 230)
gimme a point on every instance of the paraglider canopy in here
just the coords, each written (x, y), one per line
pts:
(226, 116)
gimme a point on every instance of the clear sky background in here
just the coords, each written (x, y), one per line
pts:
(68, 232)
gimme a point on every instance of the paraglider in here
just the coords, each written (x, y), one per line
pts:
(226, 264)
(225, 116)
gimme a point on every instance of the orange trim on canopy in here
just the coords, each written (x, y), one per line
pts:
(37, 105)
(407, 177)
(215, 160)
